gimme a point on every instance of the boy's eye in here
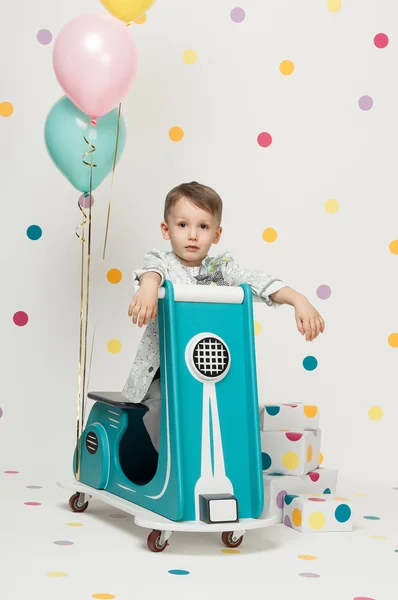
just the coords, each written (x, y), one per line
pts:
(181, 224)
(204, 226)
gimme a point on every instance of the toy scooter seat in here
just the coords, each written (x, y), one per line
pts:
(116, 399)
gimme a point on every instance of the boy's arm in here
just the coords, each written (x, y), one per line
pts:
(154, 262)
(262, 284)
(287, 295)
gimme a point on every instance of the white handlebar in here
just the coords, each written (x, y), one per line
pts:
(205, 293)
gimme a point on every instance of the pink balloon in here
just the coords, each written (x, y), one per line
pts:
(95, 61)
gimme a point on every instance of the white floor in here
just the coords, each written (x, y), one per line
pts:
(50, 553)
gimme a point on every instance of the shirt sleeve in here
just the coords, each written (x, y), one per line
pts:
(261, 283)
(154, 260)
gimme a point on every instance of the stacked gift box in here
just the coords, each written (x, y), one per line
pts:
(291, 458)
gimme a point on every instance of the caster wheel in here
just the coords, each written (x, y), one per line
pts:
(153, 541)
(226, 538)
(74, 504)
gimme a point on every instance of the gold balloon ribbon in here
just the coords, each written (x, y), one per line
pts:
(112, 180)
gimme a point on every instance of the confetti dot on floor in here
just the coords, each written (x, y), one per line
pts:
(178, 572)
(230, 551)
(141, 20)
(395, 488)
(362, 598)
(378, 537)
(323, 292)
(189, 56)
(270, 235)
(34, 487)
(393, 247)
(238, 15)
(84, 200)
(365, 102)
(57, 574)
(286, 67)
(393, 340)
(310, 363)
(264, 139)
(307, 557)
(11, 472)
(360, 494)
(176, 134)
(63, 543)
(331, 206)
(74, 524)
(1, 412)
(114, 276)
(118, 516)
(103, 596)
(371, 518)
(6, 109)
(381, 40)
(34, 232)
(309, 575)
(396, 550)
(114, 346)
(32, 503)
(44, 37)
(20, 318)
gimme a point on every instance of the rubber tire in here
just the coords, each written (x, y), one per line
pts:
(227, 541)
(153, 539)
(73, 504)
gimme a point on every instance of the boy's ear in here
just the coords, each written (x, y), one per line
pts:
(217, 235)
(165, 230)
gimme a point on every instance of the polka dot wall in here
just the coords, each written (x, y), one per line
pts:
(291, 121)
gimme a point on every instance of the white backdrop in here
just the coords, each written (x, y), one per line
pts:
(324, 146)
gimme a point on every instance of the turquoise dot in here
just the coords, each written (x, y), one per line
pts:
(266, 460)
(370, 518)
(327, 491)
(34, 232)
(178, 572)
(276, 474)
(342, 513)
(272, 410)
(289, 498)
(396, 550)
(310, 363)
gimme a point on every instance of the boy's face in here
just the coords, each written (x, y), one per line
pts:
(191, 232)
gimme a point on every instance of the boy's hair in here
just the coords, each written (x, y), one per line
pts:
(202, 196)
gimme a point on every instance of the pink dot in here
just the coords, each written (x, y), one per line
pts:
(11, 472)
(313, 476)
(34, 487)
(63, 543)
(20, 318)
(324, 292)
(309, 575)
(264, 139)
(362, 598)
(317, 499)
(293, 437)
(290, 405)
(32, 503)
(381, 40)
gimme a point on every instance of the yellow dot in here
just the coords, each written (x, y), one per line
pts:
(176, 134)
(6, 109)
(286, 67)
(114, 346)
(189, 56)
(317, 520)
(230, 551)
(139, 21)
(378, 537)
(321, 458)
(114, 276)
(103, 596)
(269, 235)
(290, 460)
(360, 494)
(57, 574)
(307, 557)
(296, 517)
(375, 413)
(74, 524)
(394, 247)
(257, 328)
(331, 206)
(340, 499)
(334, 5)
(309, 453)
(393, 340)
(310, 411)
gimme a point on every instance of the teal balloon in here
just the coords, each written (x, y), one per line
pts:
(64, 135)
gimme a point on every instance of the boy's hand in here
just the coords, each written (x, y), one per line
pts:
(308, 319)
(144, 305)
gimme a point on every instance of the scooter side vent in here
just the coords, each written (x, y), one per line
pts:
(92, 442)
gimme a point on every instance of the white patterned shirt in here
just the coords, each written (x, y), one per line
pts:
(223, 267)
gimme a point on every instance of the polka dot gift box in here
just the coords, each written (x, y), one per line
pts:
(323, 513)
(276, 486)
(291, 452)
(288, 416)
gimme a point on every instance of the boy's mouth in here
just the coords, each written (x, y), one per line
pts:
(192, 248)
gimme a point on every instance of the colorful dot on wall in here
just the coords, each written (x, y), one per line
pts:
(20, 318)
(394, 247)
(310, 363)
(141, 20)
(380, 40)
(114, 276)
(84, 200)
(103, 596)
(286, 67)
(375, 413)
(176, 134)
(269, 235)
(238, 14)
(331, 206)
(189, 56)
(114, 346)
(6, 109)
(264, 139)
(334, 5)
(393, 340)
(44, 37)
(34, 232)
(324, 292)
(365, 102)
(257, 328)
